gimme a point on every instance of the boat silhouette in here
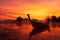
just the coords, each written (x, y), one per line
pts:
(38, 27)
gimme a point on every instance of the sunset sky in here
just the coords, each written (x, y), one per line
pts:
(39, 9)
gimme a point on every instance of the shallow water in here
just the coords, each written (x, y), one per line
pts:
(21, 32)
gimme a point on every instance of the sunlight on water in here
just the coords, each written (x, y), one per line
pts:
(25, 29)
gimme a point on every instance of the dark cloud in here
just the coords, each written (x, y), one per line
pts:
(37, 0)
(6, 11)
(1, 1)
(8, 14)
(1, 14)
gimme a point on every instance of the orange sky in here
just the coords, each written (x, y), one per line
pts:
(10, 9)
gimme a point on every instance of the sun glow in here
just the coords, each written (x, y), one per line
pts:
(36, 9)
(37, 13)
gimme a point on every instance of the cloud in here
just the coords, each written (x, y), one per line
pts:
(17, 7)
(37, 0)
(5, 12)
(4, 1)
(5, 15)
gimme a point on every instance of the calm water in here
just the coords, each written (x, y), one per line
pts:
(21, 32)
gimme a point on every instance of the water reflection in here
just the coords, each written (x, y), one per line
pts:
(55, 24)
(15, 31)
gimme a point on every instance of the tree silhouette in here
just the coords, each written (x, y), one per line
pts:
(58, 19)
(53, 19)
(48, 19)
(18, 19)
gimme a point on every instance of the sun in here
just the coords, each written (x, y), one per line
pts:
(37, 13)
